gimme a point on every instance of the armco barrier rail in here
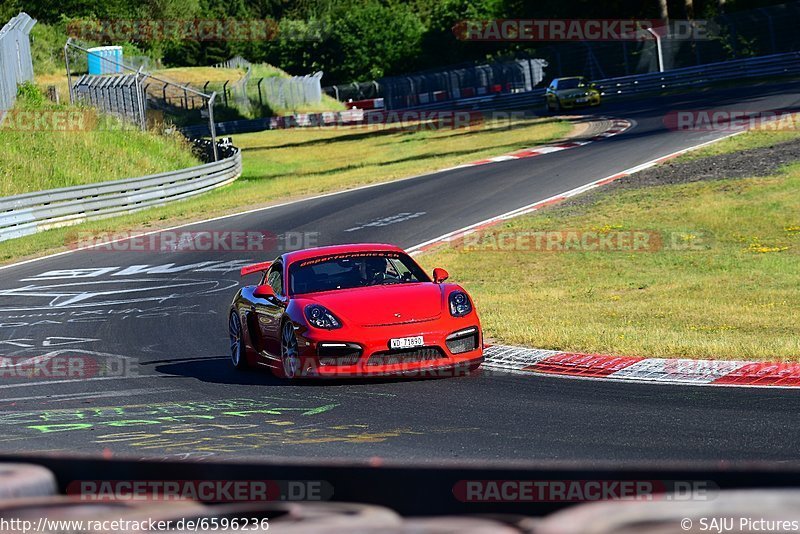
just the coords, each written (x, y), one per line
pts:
(755, 67)
(29, 213)
(786, 64)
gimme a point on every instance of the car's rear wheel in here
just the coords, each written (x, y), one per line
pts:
(290, 353)
(236, 332)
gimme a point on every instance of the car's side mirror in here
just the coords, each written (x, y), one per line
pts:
(440, 275)
(263, 291)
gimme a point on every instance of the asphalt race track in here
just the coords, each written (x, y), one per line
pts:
(153, 327)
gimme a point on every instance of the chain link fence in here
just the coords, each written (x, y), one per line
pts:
(288, 93)
(139, 97)
(454, 83)
(258, 96)
(120, 95)
(236, 95)
(15, 59)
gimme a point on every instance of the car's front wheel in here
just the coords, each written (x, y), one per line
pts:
(290, 352)
(237, 341)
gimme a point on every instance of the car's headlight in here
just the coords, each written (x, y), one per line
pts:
(320, 317)
(459, 304)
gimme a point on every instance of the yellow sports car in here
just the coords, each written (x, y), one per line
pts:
(567, 93)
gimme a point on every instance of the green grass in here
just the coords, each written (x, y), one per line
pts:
(317, 159)
(284, 164)
(37, 160)
(198, 76)
(734, 296)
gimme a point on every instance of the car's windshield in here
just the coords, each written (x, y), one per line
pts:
(571, 83)
(346, 271)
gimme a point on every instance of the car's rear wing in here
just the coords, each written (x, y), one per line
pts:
(256, 267)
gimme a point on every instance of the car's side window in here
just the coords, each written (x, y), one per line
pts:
(275, 278)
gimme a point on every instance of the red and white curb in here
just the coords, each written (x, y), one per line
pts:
(638, 369)
(617, 127)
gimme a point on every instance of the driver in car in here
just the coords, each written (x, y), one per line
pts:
(375, 271)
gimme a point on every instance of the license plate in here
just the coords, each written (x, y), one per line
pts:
(581, 100)
(406, 342)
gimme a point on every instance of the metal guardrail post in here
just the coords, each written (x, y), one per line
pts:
(140, 100)
(659, 51)
(69, 73)
(212, 130)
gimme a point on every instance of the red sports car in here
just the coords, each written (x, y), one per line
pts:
(353, 310)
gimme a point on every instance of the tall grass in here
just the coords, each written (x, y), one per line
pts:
(51, 158)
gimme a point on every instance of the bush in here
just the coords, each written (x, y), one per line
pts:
(29, 96)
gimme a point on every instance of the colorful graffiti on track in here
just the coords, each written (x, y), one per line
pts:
(212, 427)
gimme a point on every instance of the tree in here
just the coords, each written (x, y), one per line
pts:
(663, 9)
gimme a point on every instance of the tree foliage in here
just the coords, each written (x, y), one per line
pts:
(346, 39)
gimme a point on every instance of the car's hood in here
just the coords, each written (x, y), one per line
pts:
(383, 305)
(572, 93)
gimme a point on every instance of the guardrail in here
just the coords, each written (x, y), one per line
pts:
(756, 67)
(786, 64)
(29, 213)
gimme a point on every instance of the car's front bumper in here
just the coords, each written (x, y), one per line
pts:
(375, 358)
(591, 100)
